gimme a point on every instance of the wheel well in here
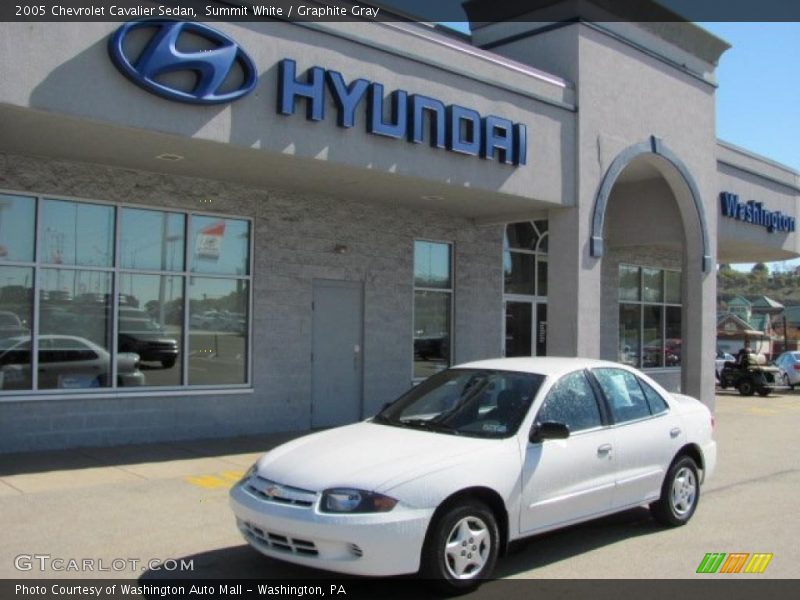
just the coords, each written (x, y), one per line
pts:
(692, 451)
(486, 495)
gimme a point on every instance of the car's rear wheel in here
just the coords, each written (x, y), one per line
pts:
(461, 548)
(680, 494)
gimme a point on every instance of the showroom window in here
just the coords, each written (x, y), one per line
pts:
(99, 296)
(649, 317)
(433, 307)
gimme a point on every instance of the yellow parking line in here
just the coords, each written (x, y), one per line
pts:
(215, 481)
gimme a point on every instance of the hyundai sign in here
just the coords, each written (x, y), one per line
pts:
(453, 127)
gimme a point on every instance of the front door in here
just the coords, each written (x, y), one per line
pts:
(525, 328)
(337, 352)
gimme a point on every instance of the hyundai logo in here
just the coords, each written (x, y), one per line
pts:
(212, 66)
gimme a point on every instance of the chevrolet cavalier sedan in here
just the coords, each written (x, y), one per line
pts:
(440, 481)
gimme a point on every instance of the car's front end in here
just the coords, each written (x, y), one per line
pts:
(343, 530)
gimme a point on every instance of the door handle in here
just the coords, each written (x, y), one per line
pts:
(604, 449)
(674, 432)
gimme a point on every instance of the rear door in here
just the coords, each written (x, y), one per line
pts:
(647, 433)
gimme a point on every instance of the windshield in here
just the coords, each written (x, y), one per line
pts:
(476, 402)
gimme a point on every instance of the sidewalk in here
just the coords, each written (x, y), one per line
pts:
(207, 463)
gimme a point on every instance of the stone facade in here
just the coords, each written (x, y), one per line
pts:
(294, 239)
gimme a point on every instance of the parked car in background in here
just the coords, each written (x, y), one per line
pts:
(11, 325)
(473, 458)
(139, 333)
(721, 359)
(65, 361)
(789, 365)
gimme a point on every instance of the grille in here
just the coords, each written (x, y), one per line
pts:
(281, 494)
(281, 542)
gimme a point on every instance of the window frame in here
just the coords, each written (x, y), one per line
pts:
(606, 402)
(116, 271)
(641, 303)
(450, 290)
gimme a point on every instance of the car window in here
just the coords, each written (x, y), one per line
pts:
(571, 401)
(657, 404)
(623, 393)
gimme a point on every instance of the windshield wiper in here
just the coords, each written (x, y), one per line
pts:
(428, 424)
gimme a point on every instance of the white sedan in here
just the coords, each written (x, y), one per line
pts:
(442, 479)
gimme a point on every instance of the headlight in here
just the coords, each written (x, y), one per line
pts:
(345, 500)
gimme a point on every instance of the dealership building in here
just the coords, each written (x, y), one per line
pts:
(232, 228)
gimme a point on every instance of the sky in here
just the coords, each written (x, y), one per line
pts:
(758, 99)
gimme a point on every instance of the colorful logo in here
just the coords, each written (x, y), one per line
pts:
(735, 562)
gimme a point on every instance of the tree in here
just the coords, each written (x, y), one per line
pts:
(760, 269)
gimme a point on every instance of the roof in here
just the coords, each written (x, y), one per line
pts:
(766, 302)
(544, 365)
(739, 301)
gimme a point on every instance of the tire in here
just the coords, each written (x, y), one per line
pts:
(461, 548)
(764, 391)
(786, 381)
(746, 387)
(680, 494)
(168, 363)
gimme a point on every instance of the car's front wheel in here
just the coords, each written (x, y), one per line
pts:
(461, 548)
(680, 494)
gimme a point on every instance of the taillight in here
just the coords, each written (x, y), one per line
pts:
(713, 422)
(796, 366)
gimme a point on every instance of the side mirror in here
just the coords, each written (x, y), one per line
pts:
(549, 430)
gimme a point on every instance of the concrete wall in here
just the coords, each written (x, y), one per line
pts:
(294, 238)
(51, 65)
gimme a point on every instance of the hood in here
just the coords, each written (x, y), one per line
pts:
(368, 456)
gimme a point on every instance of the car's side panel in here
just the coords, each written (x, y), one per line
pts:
(566, 480)
(645, 450)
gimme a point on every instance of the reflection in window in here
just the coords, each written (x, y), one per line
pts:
(220, 246)
(151, 324)
(151, 240)
(519, 273)
(572, 402)
(74, 329)
(17, 224)
(76, 233)
(218, 331)
(649, 317)
(432, 307)
(629, 324)
(431, 265)
(16, 311)
(74, 274)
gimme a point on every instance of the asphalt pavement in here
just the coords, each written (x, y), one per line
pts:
(169, 501)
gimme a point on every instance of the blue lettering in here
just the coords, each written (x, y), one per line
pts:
(419, 106)
(346, 97)
(466, 139)
(729, 202)
(289, 89)
(375, 123)
(497, 134)
(521, 144)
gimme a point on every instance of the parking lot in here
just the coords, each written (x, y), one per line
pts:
(169, 501)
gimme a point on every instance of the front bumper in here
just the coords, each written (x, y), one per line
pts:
(377, 544)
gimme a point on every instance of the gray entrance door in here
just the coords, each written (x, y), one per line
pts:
(337, 352)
